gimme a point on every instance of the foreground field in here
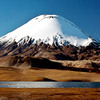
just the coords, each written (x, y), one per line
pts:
(49, 94)
(28, 74)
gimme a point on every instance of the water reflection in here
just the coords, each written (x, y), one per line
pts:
(50, 84)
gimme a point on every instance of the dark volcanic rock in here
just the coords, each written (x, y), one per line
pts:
(34, 62)
(68, 52)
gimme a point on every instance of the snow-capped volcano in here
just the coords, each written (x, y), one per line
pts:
(47, 29)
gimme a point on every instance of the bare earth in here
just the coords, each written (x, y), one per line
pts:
(49, 94)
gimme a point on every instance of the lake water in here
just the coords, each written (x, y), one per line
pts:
(50, 84)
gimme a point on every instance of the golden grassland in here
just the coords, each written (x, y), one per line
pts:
(49, 94)
(28, 74)
(49, 70)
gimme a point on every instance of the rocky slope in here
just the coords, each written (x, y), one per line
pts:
(68, 52)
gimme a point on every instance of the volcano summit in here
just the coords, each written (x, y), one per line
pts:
(44, 35)
(48, 29)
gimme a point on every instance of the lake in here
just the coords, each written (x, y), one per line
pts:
(50, 84)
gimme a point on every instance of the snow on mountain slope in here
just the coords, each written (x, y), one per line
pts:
(48, 29)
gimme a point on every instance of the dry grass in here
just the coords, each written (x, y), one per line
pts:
(27, 74)
(50, 94)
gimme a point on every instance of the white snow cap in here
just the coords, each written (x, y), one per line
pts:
(48, 29)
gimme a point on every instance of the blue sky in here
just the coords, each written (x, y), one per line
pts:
(84, 13)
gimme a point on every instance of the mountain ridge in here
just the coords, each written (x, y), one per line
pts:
(49, 36)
